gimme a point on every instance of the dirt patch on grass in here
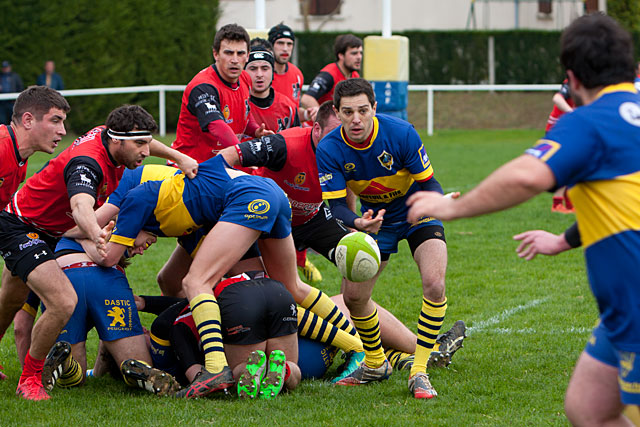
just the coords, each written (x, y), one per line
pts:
(482, 110)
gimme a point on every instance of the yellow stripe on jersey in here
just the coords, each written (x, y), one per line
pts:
(605, 208)
(125, 241)
(157, 172)
(160, 341)
(327, 195)
(423, 175)
(373, 137)
(621, 87)
(383, 188)
(170, 212)
(554, 148)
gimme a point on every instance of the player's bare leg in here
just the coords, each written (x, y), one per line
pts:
(13, 294)
(173, 271)
(22, 326)
(593, 395)
(431, 257)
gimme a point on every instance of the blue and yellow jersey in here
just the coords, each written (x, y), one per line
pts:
(131, 178)
(382, 174)
(595, 151)
(175, 206)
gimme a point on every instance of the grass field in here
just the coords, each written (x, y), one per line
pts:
(528, 322)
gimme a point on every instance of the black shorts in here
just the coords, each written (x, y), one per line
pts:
(321, 233)
(22, 247)
(254, 311)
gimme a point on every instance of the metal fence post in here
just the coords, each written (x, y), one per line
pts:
(430, 110)
(163, 110)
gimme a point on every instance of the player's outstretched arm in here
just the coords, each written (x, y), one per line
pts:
(185, 163)
(542, 242)
(508, 186)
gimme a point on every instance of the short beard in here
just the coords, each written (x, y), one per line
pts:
(281, 62)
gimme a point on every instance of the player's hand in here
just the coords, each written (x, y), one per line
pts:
(103, 237)
(367, 222)
(188, 166)
(311, 113)
(430, 203)
(140, 302)
(263, 131)
(536, 242)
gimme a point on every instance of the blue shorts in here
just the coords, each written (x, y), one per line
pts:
(389, 235)
(105, 301)
(258, 203)
(600, 348)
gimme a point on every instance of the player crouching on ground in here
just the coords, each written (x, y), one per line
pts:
(105, 301)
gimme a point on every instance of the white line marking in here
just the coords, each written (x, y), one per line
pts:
(485, 324)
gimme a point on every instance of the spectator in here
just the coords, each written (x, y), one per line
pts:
(50, 78)
(9, 82)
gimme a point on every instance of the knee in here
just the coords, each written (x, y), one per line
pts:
(433, 288)
(62, 304)
(167, 284)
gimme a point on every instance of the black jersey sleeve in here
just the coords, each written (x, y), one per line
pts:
(269, 151)
(320, 85)
(82, 175)
(204, 103)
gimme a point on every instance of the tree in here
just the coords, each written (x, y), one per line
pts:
(626, 12)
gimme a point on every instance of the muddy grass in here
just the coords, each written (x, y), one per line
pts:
(482, 110)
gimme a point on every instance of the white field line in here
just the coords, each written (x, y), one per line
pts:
(492, 321)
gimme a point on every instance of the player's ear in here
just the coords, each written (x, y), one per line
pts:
(375, 105)
(27, 120)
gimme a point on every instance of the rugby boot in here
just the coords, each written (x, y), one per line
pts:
(273, 381)
(207, 382)
(310, 272)
(56, 363)
(364, 374)
(420, 386)
(148, 378)
(32, 389)
(452, 340)
(251, 377)
(353, 361)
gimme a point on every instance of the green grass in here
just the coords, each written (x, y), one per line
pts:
(528, 323)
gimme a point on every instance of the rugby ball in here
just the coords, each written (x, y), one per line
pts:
(357, 257)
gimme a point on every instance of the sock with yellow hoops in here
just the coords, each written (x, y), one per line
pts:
(324, 307)
(206, 315)
(369, 329)
(429, 323)
(72, 376)
(316, 328)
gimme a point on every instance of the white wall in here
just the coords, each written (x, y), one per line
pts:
(365, 15)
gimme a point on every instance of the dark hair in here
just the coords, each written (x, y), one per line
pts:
(130, 117)
(345, 42)
(325, 111)
(231, 32)
(261, 43)
(38, 100)
(598, 51)
(353, 87)
(281, 31)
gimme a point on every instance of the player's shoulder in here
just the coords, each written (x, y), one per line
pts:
(331, 142)
(330, 68)
(393, 124)
(279, 98)
(293, 69)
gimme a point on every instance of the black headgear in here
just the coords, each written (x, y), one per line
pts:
(280, 31)
(259, 53)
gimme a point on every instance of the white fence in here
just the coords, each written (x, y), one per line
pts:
(430, 89)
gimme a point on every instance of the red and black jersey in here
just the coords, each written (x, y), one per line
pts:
(322, 86)
(556, 113)
(289, 159)
(208, 98)
(85, 167)
(290, 83)
(13, 169)
(276, 111)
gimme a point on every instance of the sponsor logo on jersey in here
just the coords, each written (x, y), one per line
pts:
(87, 136)
(259, 206)
(1, 181)
(349, 167)
(247, 108)
(211, 108)
(120, 312)
(544, 149)
(300, 178)
(630, 112)
(423, 157)
(385, 159)
(227, 113)
(117, 313)
(627, 360)
(324, 177)
(34, 239)
(376, 192)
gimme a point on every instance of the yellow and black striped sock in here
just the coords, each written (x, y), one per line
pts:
(324, 307)
(314, 327)
(206, 315)
(394, 356)
(369, 329)
(72, 376)
(429, 323)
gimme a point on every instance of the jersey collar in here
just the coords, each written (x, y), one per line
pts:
(263, 102)
(620, 87)
(233, 86)
(12, 134)
(366, 144)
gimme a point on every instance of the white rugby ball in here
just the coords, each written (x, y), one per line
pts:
(357, 257)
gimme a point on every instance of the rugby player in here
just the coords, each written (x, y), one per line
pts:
(348, 52)
(240, 208)
(287, 78)
(382, 160)
(215, 105)
(595, 151)
(62, 194)
(106, 302)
